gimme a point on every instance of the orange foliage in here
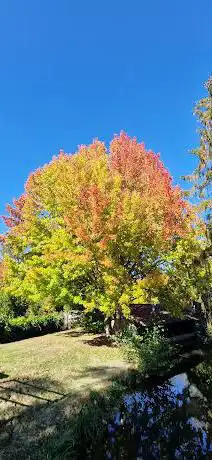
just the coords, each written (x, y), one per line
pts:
(90, 191)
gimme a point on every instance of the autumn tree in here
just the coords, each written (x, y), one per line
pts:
(93, 228)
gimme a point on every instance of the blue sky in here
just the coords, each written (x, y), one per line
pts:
(75, 70)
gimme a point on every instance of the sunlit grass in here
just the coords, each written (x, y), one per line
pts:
(44, 379)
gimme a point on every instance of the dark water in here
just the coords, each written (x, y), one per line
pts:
(170, 420)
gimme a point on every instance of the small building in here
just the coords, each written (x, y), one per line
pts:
(181, 330)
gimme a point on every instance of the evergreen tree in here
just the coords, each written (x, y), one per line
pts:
(201, 179)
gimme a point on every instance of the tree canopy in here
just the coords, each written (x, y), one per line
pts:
(103, 228)
(93, 228)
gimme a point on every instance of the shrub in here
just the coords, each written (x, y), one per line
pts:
(150, 352)
(11, 306)
(202, 375)
(24, 327)
(93, 322)
(156, 351)
(6, 310)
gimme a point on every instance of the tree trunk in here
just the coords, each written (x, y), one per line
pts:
(108, 326)
(113, 325)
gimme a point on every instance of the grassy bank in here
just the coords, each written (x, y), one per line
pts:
(44, 381)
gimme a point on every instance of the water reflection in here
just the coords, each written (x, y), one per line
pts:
(169, 421)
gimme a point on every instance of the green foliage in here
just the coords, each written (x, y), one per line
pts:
(52, 274)
(92, 229)
(209, 331)
(24, 327)
(202, 175)
(156, 352)
(92, 322)
(151, 352)
(6, 310)
(11, 306)
(189, 277)
(203, 375)
(201, 190)
(89, 427)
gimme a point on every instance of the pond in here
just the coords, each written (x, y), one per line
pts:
(169, 420)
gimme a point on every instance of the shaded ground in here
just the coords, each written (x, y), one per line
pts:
(43, 381)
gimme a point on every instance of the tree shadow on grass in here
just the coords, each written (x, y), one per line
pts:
(100, 341)
(12, 390)
(73, 333)
(98, 375)
(3, 375)
(35, 411)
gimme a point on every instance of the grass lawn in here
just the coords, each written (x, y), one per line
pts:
(43, 381)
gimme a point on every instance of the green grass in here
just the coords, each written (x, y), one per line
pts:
(44, 381)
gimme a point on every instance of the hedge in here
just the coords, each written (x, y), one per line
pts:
(24, 327)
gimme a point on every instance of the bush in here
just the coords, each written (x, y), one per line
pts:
(6, 310)
(150, 352)
(202, 376)
(11, 306)
(24, 327)
(93, 322)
